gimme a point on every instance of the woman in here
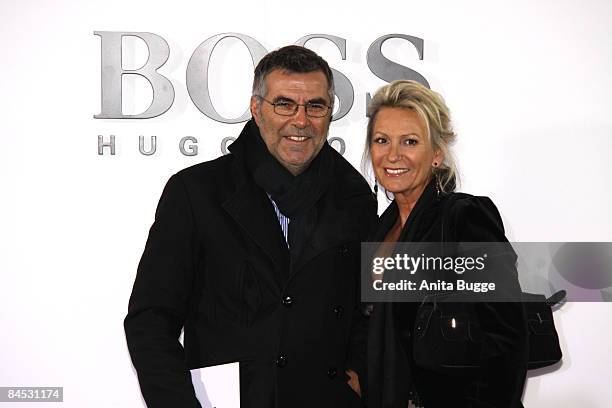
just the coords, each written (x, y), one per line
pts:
(408, 142)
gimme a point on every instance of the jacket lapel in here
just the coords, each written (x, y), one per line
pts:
(421, 218)
(423, 215)
(334, 227)
(250, 207)
(385, 223)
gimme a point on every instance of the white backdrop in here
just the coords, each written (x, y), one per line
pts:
(528, 83)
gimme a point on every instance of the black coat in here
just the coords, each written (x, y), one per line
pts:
(454, 217)
(216, 264)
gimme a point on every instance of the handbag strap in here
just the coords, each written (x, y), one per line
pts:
(557, 297)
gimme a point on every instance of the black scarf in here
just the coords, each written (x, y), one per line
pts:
(295, 196)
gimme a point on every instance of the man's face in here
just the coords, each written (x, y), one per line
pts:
(293, 140)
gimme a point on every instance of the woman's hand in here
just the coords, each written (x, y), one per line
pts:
(353, 381)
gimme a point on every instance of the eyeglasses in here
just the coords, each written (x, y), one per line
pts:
(289, 108)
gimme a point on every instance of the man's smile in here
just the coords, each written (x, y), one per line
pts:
(297, 138)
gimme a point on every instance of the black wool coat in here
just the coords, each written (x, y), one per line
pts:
(392, 371)
(216, 264)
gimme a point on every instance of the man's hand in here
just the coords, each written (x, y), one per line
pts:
(353, 381)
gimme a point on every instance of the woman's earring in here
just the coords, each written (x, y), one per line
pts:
(375, 187)
(438, 184)
(435, 174)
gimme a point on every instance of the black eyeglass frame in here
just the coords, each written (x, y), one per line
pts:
(297, 106)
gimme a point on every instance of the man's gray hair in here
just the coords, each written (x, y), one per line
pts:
(292, 59)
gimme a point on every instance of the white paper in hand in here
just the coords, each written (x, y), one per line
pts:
(217, 386)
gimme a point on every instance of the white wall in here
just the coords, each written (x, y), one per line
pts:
(528, 84)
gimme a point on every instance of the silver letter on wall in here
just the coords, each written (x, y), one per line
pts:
(342, 86)
(192, 150)
(197, 74)
(342, 148)
(388, 70)
(141, 146)
(112, 71)
(102, 144)
(225, 142)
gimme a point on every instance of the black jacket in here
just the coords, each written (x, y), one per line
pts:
(454, 217)
(216, 264)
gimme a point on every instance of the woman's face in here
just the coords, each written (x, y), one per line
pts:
(402, 155)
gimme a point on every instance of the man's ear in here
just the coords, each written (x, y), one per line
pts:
(254, 106)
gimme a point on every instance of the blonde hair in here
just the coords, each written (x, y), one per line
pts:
(432, 109)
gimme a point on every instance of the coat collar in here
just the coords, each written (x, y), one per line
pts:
(251, 208)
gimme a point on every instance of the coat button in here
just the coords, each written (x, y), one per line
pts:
(287, 301)
(338, 311)
(332, 372)
(281, 361)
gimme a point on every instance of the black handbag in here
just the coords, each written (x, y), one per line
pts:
(448, 339)
(544, 348)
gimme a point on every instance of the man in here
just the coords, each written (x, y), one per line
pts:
(256, 255)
